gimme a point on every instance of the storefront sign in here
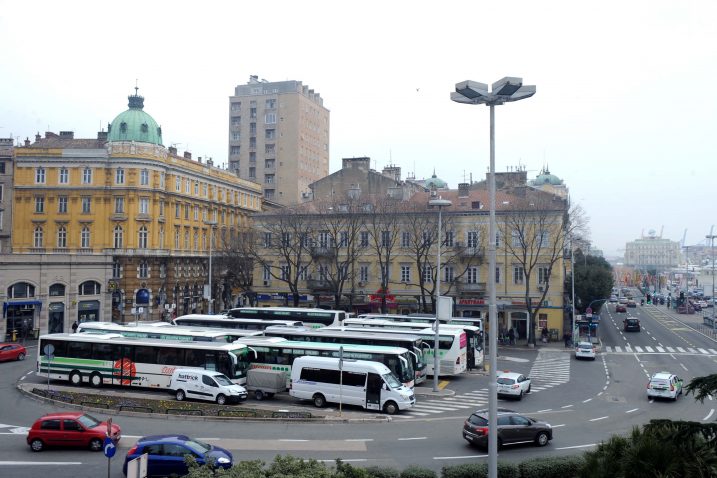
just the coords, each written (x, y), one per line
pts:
(471, 301)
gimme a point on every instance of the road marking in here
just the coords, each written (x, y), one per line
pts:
(713, 351)
(670, 349)
(633, 410)
(708, 415)
(702, 350)
(566, 406)
(586, 401)
(558, 426)
(649, 349)
(638, 349)
(443, 384)
(40, 463)
(681, 365)
(413, 438)
(465, 457)
(654, 338)
(359, 439)
(691, 350)
(287, 439)
(660, 349)
(572, 447)
(546, 410)
(680, 349)
(596, 419)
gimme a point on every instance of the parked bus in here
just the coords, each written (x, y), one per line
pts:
(452, 343)
(412, 343)
(310, 317)
(110, 359)
(225, 322)
(278, 353)
(472, 326)
(165, 331)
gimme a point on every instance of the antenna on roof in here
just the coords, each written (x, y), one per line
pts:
(136, 88)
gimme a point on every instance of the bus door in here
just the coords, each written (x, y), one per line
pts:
(374, 385)
(471, 349)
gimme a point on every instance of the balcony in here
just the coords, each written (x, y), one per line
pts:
(318, 285)
(323, 251)
(118, 216)
(471, 252)
(475, 287)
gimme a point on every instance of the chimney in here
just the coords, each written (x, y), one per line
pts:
(210, 162)
(463, 190)
(102, 135)
(27, 141)
(187, 155)
(37, 137)
(67, 135)
(173, 150)
(199, 159)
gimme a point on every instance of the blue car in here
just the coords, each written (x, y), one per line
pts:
(166, 454)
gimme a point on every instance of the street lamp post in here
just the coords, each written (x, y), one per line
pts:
(712, 237)
(440, 204)
(211, 225)
(470, 92)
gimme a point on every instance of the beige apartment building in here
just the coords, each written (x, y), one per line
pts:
(278, 137)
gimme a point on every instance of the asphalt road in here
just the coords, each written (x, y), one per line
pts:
(585, 401)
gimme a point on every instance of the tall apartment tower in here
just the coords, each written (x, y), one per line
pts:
(278, 137)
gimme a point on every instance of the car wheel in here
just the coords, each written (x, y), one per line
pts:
(21, 356)
(520, 397)
(95, 444)
(37, 445)
(542, 439)
(319, 401)
(180, 395)
(528, 391)
(500, 443)
(96, 380)
(221, 399)
(75, 378)
(259, 395)
(390, 408)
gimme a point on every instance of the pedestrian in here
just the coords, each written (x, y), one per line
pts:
(544, 334)
(74, 327)
(511, 336)
(566, 338)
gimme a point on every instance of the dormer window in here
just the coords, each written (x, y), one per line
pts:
(144, 128)
(123, 127)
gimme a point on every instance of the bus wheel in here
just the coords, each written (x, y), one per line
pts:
(390, 408)
(259, 395)
(75, 378)
(319, 401)
(96, 380)
(221, 399)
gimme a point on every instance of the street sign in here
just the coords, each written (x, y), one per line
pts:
(588, 311)
(109, 447)
(48, 350)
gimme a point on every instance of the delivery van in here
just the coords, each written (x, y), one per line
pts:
(205, 385)
(370, 385)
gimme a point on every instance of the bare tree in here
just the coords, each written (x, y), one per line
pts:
(234, 262)
(283, 246)
(534, 233)
(383, 226)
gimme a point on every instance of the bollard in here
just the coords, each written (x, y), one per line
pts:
(14, 335)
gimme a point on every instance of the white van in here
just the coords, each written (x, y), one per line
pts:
(370, 385)
(205, 385)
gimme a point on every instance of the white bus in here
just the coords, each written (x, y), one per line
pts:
(310, 317)
(110, 359)
(222, 321)
(452, 343)
(412, 343)
(278, 353)
(165, 331)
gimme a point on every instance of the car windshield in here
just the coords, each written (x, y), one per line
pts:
(197, 446)
(222, 380)
(391, 380)
(505, 381)
(88, 421)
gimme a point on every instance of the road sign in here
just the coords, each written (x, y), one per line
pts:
(109, 447)
(48, 349)
(588, 311)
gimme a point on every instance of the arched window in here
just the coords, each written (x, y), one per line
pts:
(142, 243)
(123, 127)
(62, 238)
(21, 290)
(57, 290)
(85, 237)
(142, 296)
(37, 237)
(89, 287)
(118, 237)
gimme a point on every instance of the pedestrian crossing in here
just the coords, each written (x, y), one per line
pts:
(550, 369)
(656, 349)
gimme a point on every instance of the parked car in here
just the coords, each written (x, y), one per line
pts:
(620, 308)
(513, 428)
(71, 429)
(585, 350)
(613, 299)
(513, 384)
(631, 324)
(12, 352)
(165, 454)
(664, 385)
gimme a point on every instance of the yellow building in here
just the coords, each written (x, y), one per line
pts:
(138, 212)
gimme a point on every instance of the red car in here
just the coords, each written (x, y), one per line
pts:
(12, 352)
(620, 308)
(73, 429)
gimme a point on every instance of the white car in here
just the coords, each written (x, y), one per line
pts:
(664, 385)
(585, 350)
(513, 384)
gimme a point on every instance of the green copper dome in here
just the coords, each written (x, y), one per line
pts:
(546, 178)
(135, 125)
(435, 181)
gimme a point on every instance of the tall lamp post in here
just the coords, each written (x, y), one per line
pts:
(473, 93)
(211, 225)
(440, 204)
(712, 237)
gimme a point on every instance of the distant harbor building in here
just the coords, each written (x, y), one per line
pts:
(652, 251)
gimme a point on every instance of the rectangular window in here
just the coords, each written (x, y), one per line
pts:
(363, 273)
(385, 239)
(518, 274)
(144, 177)
(62, 204)
(472, 275)
(161, 180)
(119, 176)
(161, 208)
(177, 206)
(269, 179)
(472, 239)
(497, 275)
(448, 240)
(177, 184)
(405, 239)
(270, 134)
(86, 204)
(448, 274)
(186, 211)
(343, 239)
(119, 205)
(516, 239)
(266, 274)
(497, 238)
(543, 275)
(40, 204)
(543, 238)
(285, 272)
(405, 273)
(40, 176)
(187, 186)
(64, 176)
(87, 176)
(270, 118)
(196, 213)
(144, 205)
(196, 188)
(252, 173)
(324, 239)
(267, 239)
(363, 239)
(427, 274)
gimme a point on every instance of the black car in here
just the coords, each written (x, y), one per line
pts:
(513, 428)
(631, 324)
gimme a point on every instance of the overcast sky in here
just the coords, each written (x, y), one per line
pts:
(625, 110)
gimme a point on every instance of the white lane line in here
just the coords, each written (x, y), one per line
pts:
(287, 439)
(566, 406)
(633, 410)
(40, 463)
(681, 365)
(708, 415)
(558, 426)
(546, 410)
(596, 419)
(413, 438)
(586, 401)
(680, 349)
(359, 439)
(654, 338)
(576, 446)
(465, 457)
